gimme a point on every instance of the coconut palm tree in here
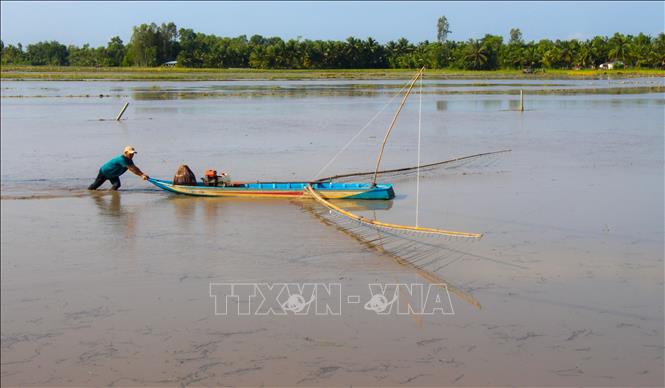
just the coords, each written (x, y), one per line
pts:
(585, 55)
(619, 47)
(531, 57)
(657, 54)
(566, 54)
(476, 54)
(552, 57)
(639, 50)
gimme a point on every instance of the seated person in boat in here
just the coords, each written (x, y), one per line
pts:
(115, 167)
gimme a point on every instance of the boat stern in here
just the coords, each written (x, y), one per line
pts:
(382, 191)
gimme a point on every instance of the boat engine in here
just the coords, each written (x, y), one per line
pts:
(211, 178)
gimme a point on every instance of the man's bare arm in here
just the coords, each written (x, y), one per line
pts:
(137, 171)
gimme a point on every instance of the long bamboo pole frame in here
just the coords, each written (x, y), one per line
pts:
(394, 120)
(442, 232)
(406, 169)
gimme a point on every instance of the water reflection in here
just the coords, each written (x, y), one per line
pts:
(490, 104)
(363, 205)
(187, 207)
(109, 203)
(123, 220)
(192, 211)
(140, 95)
(487, 104)
(288, 89)
(513, 104)
(291, 89)
(184, 208)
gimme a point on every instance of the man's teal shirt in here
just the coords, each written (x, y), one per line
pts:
(116, 166)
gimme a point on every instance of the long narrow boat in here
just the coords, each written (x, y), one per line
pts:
(328, 190)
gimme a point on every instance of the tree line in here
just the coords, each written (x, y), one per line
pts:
(153, 45)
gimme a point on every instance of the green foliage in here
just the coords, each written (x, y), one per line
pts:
(85, 56)
(515, 36)
(115, 51)
(656, 56)
(619, 45)
(442, 29)
(47, 53)
(475, 55)
(584, 56)
(152, 45)
(13, 55)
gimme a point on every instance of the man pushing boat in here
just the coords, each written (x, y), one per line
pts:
(115, 167)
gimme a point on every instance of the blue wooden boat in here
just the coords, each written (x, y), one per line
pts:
(328, 190)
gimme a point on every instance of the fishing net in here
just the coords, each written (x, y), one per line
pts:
(427, 254)
(462, 164)
(426, 250)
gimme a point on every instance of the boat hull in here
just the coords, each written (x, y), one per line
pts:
(328, 190)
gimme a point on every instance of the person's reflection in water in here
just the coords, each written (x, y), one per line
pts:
(109, 205)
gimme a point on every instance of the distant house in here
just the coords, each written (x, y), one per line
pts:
(611, 65)
(170, 64)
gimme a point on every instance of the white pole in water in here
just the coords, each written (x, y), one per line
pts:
(420, 114)
(521, 100)
(124, 108)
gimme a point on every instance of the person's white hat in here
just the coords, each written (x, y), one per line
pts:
(129, 150)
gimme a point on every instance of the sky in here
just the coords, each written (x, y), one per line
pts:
(96, 22)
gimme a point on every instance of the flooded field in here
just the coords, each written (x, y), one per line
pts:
(565, 288)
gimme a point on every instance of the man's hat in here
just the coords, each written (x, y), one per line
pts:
(129, 150)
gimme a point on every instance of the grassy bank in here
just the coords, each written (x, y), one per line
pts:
(187, 74)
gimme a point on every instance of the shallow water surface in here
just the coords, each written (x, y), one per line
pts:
(114, 288)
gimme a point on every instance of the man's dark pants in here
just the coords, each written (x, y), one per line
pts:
(101, 179)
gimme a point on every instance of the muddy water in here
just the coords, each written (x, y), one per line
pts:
(114, 288)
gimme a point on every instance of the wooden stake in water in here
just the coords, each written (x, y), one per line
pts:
(521, 100)
(124, 108)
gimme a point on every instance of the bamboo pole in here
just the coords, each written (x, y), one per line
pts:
(330, 178)
(521, 100)
(443, 232)
(392, 123)
(124, 108)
